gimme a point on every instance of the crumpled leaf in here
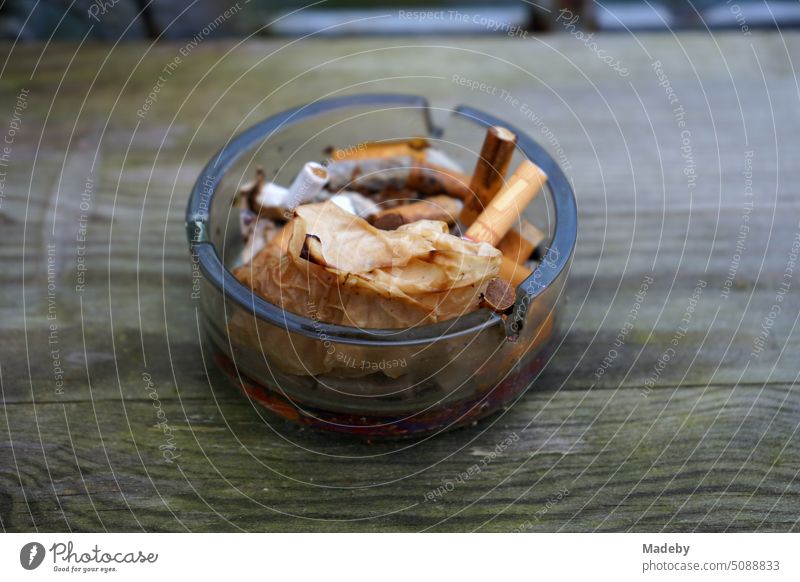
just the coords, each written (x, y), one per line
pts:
(340, 269)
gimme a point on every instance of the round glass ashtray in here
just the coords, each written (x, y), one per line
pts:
(372, 382)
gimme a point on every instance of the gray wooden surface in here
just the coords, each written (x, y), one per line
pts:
(712, 446)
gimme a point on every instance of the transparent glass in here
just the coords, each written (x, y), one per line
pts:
(379, 383)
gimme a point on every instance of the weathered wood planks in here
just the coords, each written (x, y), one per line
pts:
(713, 444)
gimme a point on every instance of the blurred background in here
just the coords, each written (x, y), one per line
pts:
(36, 20)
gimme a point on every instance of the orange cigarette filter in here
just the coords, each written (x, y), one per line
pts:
(490, 169)
(512, 272)
(507, 206)
(444, 208)
(520, 243)
(414, 147)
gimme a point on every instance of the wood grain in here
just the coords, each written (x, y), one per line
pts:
(712, 445)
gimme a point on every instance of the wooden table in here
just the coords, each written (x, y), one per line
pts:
(690, 424)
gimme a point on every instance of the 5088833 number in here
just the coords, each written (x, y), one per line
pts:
(745, 565)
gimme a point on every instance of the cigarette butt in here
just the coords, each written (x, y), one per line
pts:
(490, 169)
(369, 176)
(430, 179)
(355, 203)
(414, 147)
(499, 296)
(506, 207)
(444, 208)
(374, 175)
(518, 245)
(496, 153)
(512, 272)
(271, 200)
(307, 185)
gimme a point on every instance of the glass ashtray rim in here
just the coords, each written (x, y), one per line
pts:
(204, 252)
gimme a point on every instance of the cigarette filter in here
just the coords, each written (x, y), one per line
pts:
(307, 185)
